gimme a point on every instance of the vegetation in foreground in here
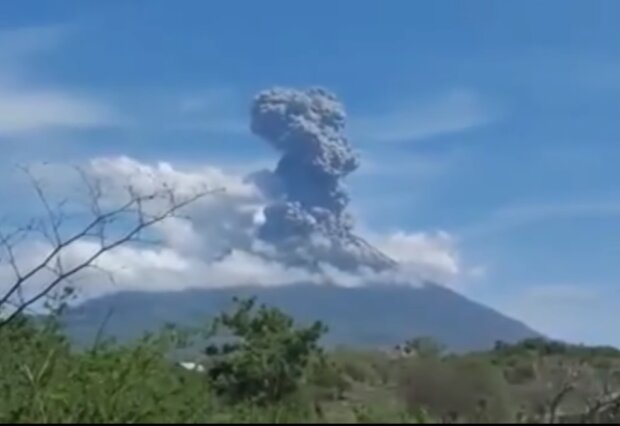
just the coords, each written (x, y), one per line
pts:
(259, 366)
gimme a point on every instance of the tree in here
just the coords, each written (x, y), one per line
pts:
(112, 220)
(263, 358)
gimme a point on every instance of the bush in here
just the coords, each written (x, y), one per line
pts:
(43, 380)
(266, 359)
(266, 369)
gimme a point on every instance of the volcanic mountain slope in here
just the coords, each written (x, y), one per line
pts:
(372, 316)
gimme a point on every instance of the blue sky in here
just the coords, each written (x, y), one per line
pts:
(493, 121)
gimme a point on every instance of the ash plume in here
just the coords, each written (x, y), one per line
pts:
(307, 223)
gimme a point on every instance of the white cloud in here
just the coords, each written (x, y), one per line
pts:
(190, 249)
(456, 111)
(27, 110)
(425, 256)
(166, 269)
(120, 171)
(213, 244)
(139, 268)
(227, 220)
(27, 106)
(220, 221)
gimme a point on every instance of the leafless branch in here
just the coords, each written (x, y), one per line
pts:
(55, 217)
(133, 211)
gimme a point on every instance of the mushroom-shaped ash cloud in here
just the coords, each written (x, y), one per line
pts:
(308, 222)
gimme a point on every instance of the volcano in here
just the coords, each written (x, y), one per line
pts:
(306, 225)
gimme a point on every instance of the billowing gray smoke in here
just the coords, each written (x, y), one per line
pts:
(308, 223)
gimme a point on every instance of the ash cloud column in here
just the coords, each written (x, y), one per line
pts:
(307, 222)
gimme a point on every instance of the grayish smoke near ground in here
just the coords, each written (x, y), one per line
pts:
(308, 223)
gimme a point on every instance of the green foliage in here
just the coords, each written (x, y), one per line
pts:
(267, 357)
(43, 380)
(546, 347)
(265, 369)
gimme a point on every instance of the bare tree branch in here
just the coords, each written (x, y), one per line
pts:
(132, 215)
(6, 243)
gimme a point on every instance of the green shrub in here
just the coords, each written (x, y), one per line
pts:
(267, 357)
(268, 370)
(43, 380)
